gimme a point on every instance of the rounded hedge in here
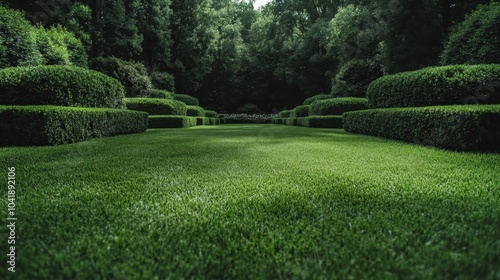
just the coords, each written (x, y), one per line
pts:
(337, 106)
(210, 114)
(159, 93)
(157, 106)
(188, 99)
(284, 114)
(195, 111)
(300, 111)
(315, 98)
(444, 85)
(163, 80)
(476, 39)
(59, 85)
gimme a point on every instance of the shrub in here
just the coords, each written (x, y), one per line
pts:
(337, 106)
(463, 128)
(475, 40)
(156, 106)
(132, 75)
(159, 93)
(188, 99)
(324, 122)
(249, 109)
(245, 118)
(214, 121)
(171, 122)
(210, 114)
(300, 111)
(195, 111)
(17, 40)
(163, 80)
(285, 114)
(290, 121)
(445, 85)
(353, 78)
(312, 99)
(202, 121)
(52, 125)
(59, 85)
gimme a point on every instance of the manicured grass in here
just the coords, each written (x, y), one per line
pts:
(253, 201)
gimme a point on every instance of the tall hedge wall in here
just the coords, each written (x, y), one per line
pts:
(445, 85)
(337, 106)
(156, 106)
(59, 85)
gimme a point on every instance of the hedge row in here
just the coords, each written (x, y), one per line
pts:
(300, 111)
(312, 121)
(156, 106)
(210, 114)
(284, 114)
(195, 111)
(337, 106)
(171, 121)
(315, 98)
(462, 128)
(59, 85)
(160, 93)
(188, 99)
(446, 85)
(54, 125)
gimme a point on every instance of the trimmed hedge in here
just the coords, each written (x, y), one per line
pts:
(210, 114)
(445, 85)
(462, 128)
(160, 93)
(284, 114)
(315, 98)
(59, 85)
(324, 122)
(54, 125)
(171, 122)
(188, 99)
(156, 106)
(337, 106)
(195, 111)
(214, 121)
(300, 111)
(202, 121)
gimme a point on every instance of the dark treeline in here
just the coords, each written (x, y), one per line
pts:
(228, 54)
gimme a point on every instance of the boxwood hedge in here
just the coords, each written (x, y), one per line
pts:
(59, 85)
(156, 106)
(171, 121)
(214, 121)
(462, 128)
(53, 125)
(315, 98)
(337, 106)
(323, 122)
(445, 85)
(160, 93)
(300, 111)
(195, 111)
(210, 114)
(202, 121)
(188, 99)
(284, 114)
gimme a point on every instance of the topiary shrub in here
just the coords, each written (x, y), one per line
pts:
(156, 106)
(300, 111)
(59, 85)
(159, 93)
(284, 114)
(17, 40)
(188, 99)
(323, 122)
(210, 114)
(337, 106)
(202, 121)
(163, 80)
(444, 85)
(314, 98)
(476, 39)
(171, 122)
(214, 121)
(353, 78)
(195, 111)
(53, 125)
(132, 75)
(249, 109)
(462, 128)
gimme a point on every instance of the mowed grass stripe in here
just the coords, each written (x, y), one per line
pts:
(254, 201)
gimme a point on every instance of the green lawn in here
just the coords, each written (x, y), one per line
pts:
(252, 201)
